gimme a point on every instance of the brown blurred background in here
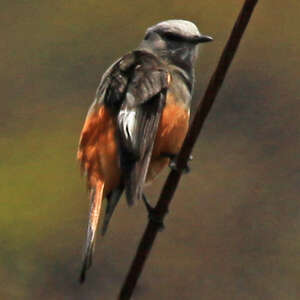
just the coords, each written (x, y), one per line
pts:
(234, 228)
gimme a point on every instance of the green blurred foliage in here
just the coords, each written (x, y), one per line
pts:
(233, 231)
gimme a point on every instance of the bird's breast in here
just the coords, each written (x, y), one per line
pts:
(173, 127)
(171, 133)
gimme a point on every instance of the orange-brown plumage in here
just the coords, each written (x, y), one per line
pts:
(98, 147)
(171, 132)
(98, 150)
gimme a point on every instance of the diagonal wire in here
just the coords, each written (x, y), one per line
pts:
(172, 181)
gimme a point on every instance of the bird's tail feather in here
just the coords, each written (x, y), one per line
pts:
(96, 196)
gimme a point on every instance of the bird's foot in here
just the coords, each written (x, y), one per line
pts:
(173, 163)
(152, 215)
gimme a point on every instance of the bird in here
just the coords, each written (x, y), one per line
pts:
(138, 120)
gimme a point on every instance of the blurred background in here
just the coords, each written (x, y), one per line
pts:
(233, 231)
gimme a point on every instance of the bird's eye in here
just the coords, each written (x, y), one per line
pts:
(173, 37)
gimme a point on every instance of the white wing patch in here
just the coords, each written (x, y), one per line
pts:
(127, 119)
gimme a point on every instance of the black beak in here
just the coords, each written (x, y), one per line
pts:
(203, 39)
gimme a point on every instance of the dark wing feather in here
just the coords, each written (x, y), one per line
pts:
(114, 82)
(138, 120)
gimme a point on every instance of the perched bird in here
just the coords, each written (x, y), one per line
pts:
(138, 120)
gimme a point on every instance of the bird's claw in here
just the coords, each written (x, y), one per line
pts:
(173, 165)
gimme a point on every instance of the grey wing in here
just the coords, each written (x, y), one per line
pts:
(138, 121)
(113, 84)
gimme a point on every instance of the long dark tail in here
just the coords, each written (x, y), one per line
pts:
(96, 196)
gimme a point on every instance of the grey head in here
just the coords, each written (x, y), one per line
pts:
(175, 41)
